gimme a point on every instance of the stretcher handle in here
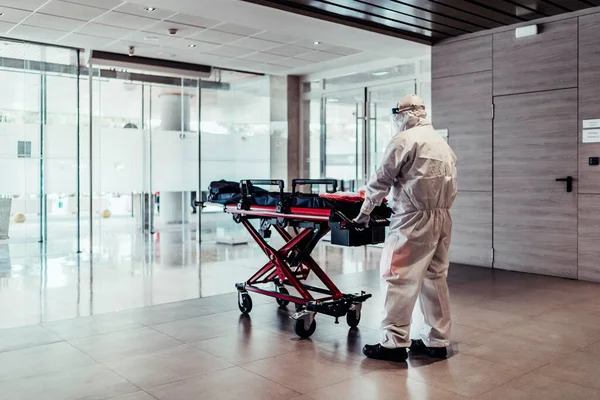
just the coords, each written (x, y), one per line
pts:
(312, 182)
(246, 189)
(263, 182)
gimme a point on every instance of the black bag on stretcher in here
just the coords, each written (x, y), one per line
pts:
(312, 217)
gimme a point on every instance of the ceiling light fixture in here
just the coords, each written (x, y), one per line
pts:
(192, 45)
(151, 39)
(150, 9)
(1, 14)
(316, 43)
(380, 73)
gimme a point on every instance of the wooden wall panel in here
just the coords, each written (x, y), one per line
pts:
(463, 57)
(589, 98)
(589, 237)
(472, 229)
(536, 63)
(463, 105)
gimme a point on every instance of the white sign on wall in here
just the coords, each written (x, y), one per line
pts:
(591, 136)
(591, 123)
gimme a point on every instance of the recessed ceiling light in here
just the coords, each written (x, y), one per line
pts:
(316, 43)
(151, 38)
(1, 14)
(380, 73)
(150, 9)
(192, 45)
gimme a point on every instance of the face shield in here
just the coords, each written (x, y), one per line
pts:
(407, 114)
(396, 121)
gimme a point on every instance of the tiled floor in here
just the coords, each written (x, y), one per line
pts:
(159, 320)
(515, 336)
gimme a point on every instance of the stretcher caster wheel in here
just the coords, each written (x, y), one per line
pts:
(300, 328)
(245, 303)
(352, 319)
(282, 303)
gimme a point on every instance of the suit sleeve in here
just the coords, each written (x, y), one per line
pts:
(381, 182)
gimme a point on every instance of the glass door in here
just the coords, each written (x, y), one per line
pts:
(344, 116)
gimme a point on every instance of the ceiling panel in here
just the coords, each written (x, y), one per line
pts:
(144, 11)
(34, 33)
(6, 26)
(237, 29)
(275, 37)
(13, 15)
(255, 44)
(196, 45)
(71, 10)
(427, 21)
(216, 37)
(288, 50)
(231, 51)
(123, 20)
(319, 56)
(263, 57)
(101, 30)
(78, 40)
(28, 5)
(106, 4)
(193, 20)
(54, 22)
(294, 62)
(162, 28)
(345, 51)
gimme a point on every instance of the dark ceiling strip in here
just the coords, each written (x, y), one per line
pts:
(339, 19)
(412, 16)
(528, 8)
(556, 5)
(502, 23)
(496, 10)
(464, 21)
(574, 5)
(385, 18)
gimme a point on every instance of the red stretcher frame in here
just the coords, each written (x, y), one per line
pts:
(278, 269)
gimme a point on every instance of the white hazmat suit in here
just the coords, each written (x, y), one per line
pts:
(421, 168)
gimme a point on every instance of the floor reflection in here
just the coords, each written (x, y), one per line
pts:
(128, 269)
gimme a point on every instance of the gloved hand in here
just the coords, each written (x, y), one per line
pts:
(362, 220)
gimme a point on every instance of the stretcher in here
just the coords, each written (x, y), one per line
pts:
(310, 217)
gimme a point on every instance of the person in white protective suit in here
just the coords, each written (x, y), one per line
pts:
(421, 167)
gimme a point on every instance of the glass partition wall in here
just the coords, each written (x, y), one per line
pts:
(346, 119)
(39, 131)
(143, 173)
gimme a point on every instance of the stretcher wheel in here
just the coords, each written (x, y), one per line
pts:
(245, 303)
(281, 302)
(352, 318)
(301, 330)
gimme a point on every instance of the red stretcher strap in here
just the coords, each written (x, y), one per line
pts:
(305, 214)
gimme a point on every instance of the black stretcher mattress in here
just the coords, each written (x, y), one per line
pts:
(223, 192)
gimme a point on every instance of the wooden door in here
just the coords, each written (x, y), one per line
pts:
(535, 218)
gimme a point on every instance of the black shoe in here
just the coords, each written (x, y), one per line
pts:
(378, 352)
(418, 347)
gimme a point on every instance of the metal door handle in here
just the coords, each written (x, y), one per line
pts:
(569, 180)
